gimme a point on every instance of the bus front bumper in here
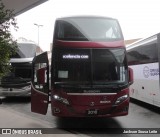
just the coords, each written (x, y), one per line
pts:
(9, 92)
(61, 110)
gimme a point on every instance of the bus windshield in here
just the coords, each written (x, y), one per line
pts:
(88, 29)
(90, 66)
(25, 50)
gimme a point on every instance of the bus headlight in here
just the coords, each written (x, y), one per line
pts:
(121, 99)
(62, 100)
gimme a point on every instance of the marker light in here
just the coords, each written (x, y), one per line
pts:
(121, 99)
(62, 100)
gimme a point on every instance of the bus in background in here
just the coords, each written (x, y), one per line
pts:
(144, 59)
(17, 82)
(89, 71)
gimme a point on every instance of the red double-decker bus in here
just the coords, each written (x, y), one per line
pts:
(89, 75)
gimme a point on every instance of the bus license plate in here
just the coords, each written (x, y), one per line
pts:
(92, 112)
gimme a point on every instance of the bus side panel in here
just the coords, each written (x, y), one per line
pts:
(146, 83)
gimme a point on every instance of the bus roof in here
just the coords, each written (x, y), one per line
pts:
(73, 17)
(140, 42)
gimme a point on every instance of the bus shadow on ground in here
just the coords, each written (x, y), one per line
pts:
(146, 105)
(89, 125)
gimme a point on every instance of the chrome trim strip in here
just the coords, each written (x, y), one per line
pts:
(86, 94)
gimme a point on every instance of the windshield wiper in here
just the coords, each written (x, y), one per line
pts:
(123, 85)
(110, 85)
(94, 85)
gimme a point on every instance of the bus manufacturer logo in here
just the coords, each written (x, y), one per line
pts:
(105, 101)
(146, 71)
(92, 104)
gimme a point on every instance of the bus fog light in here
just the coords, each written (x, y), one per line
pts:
(121, 99)
(56, 110)
(60, 99)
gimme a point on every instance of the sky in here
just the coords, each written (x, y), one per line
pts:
(137, 18)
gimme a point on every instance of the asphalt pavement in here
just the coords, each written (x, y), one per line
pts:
(10, 119)
(16, 113)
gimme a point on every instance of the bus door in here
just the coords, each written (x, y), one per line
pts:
(40, 84)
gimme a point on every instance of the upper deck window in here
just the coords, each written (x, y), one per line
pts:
(88, 29)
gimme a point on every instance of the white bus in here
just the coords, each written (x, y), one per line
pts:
(17, 82)
(144, 59)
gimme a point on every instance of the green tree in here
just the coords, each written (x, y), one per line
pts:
(8, 46)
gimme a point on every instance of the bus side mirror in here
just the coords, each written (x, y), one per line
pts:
(41, 76)
(130, 76)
